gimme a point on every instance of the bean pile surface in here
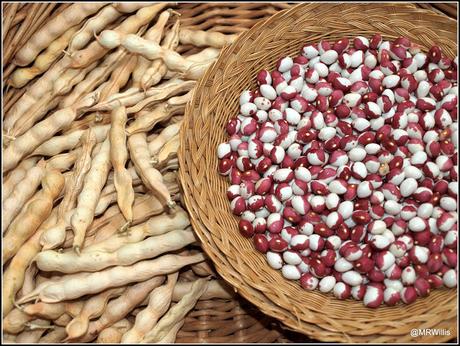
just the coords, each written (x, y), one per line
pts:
(343, 168)
(96, 245)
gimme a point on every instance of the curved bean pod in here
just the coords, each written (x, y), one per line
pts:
(53, 29)
(114, 277)
(87, 200)
(31, 217)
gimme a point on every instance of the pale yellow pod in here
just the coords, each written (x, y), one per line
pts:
(29, 280)
(87, 200)
(92, 308)
(73, 308)
(158, 69)
(35, 92)
(63, 320)
(21, 194)
(114, 333)
(154, 34)
(105, 201)
(152, 178)
(132, 24)
(15, 321)
(165, 135)
(75, 286)
(55, 236)
(148, 49)
(93, 26)
(108, 199)
(151, 50)
(147, 121)
(132, 97)
(128, 7)
(108, 226)
(13, 275)
(206, 54)
(145, 206)
(27, 142)
(41, 277)
(177, 313)
(17, 175)
(111, 335)
(180, 100)
(203, 269)
(70, 78)
(170, 74)
(57, 281)
(128, 254)
(159, 301)
(167, 93)
(58, 144)
(81, 168)
(155, 226)
(46, 310)
(169, 150)
(30, 218)
(55, 336)
(154, 99)
(120, 307)
(53, 29)
(37, 329)
(22, 76)
(94, 78)
(196, 70)
(63, 162)
(215, 289)
(120, 76)
(42, 131)
(202, 38)
(110, 186)
(89, 119)
(119, 156)
(170, 337)
(122, 95)
(36, 112)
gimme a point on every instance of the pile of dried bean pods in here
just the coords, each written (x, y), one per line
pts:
(96, 245)
(343, 168)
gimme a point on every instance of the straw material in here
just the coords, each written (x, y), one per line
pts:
(449, 9)
(215, 100)
(235, 321)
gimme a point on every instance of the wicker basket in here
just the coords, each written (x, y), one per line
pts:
(214, 320)
(318, 315)
(233, 321)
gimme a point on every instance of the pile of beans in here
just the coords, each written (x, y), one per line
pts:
(343, 168)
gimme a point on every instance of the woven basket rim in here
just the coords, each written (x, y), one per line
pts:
(223, 266)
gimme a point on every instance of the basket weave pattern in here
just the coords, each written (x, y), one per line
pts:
(215, 100)
(217, 320)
